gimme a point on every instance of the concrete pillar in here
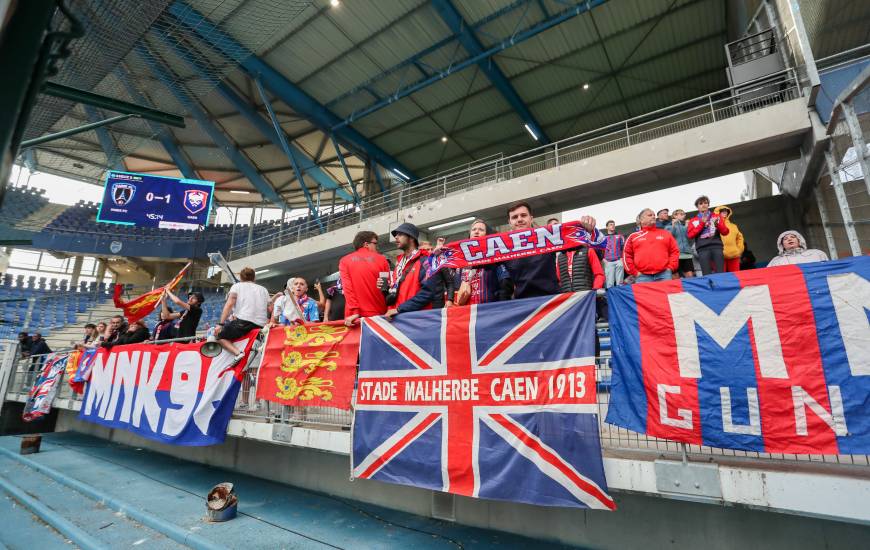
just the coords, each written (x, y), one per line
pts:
(826, 222)
(857, 140)
(101, 270)
(76, 272)
(803, 40)
(842, 200)
(251, 229)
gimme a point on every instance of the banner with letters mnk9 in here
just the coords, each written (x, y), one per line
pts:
(773, 360)
(168, 392)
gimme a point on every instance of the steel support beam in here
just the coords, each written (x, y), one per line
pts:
(73, 131)
(826, 222)
(217, 135)
(843, 202)
(274, 134)
(344, 168)
(454, 21)
(415, 59)
(107, 143)
(474, 59)
(163, 134)
(279, 85)
(287, 151)
(111, 104)
(857, 140)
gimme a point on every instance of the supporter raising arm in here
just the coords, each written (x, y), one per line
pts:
(190, 313)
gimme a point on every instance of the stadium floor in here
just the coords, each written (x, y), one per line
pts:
(171, 493)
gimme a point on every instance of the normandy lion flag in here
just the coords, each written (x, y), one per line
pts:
(309, 365)
(141, 306)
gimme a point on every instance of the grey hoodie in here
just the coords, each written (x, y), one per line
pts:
(800, 255)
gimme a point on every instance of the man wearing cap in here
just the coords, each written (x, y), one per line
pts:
(410, 271)
(663, 219)
(188, 317)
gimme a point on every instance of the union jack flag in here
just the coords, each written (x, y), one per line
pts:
(491, 401)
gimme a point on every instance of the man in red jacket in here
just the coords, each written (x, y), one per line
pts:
(650, 254)
(360, 271)
(407, 278)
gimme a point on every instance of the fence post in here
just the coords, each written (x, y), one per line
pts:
(843, 201)
(7, 369)
(556, 152)
(627, 135)
(712, 109)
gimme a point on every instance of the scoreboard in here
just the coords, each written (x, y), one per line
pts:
(155, 201)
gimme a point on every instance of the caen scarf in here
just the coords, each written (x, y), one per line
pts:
(500, 247)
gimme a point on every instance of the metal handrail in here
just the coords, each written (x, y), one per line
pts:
(674, 118)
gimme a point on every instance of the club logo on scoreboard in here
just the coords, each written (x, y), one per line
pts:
(195, 200)
(122, 193)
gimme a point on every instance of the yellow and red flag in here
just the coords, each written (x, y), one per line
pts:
(141, 306)
(309, 365)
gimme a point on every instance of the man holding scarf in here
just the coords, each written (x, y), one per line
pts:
(536, 275)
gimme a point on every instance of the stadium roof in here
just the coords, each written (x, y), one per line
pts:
(385, 80)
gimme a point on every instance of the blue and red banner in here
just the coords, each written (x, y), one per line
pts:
(491, 401)
(773, 360)
(42, 393)
(170, 393)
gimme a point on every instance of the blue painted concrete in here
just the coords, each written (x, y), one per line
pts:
(96, 521)
(21, 529)
(271, 515)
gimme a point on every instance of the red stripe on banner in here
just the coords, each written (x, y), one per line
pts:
(401, 444)
(522, 329)
(803, 361)
(409, 355)
(555, 461)
(661, 365)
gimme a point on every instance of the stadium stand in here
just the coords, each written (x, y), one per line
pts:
(20, 203)
(54, 304)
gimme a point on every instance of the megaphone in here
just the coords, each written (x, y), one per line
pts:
(210, 348)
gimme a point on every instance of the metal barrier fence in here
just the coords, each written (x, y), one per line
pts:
(728, 103)
(613, 438)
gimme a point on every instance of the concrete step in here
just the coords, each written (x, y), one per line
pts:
(102, 524)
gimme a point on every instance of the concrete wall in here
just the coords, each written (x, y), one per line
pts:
(640, 522)
(758, 138)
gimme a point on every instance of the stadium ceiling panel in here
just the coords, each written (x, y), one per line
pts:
(599, 63)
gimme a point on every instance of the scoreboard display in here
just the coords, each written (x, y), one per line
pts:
(155, 201)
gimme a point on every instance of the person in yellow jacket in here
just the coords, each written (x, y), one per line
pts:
(732, 243)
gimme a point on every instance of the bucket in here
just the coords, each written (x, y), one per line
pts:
(221, 503)
(30, 444)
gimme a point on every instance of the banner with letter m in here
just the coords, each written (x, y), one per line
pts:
(773, 360)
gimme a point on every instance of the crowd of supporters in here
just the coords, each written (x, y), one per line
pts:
(663, 246)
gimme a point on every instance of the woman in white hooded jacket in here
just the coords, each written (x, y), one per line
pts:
(793, 250)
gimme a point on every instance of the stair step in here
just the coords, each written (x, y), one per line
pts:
(101, 523)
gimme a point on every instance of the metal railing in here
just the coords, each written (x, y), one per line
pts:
(724, 104)
(614, 439)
